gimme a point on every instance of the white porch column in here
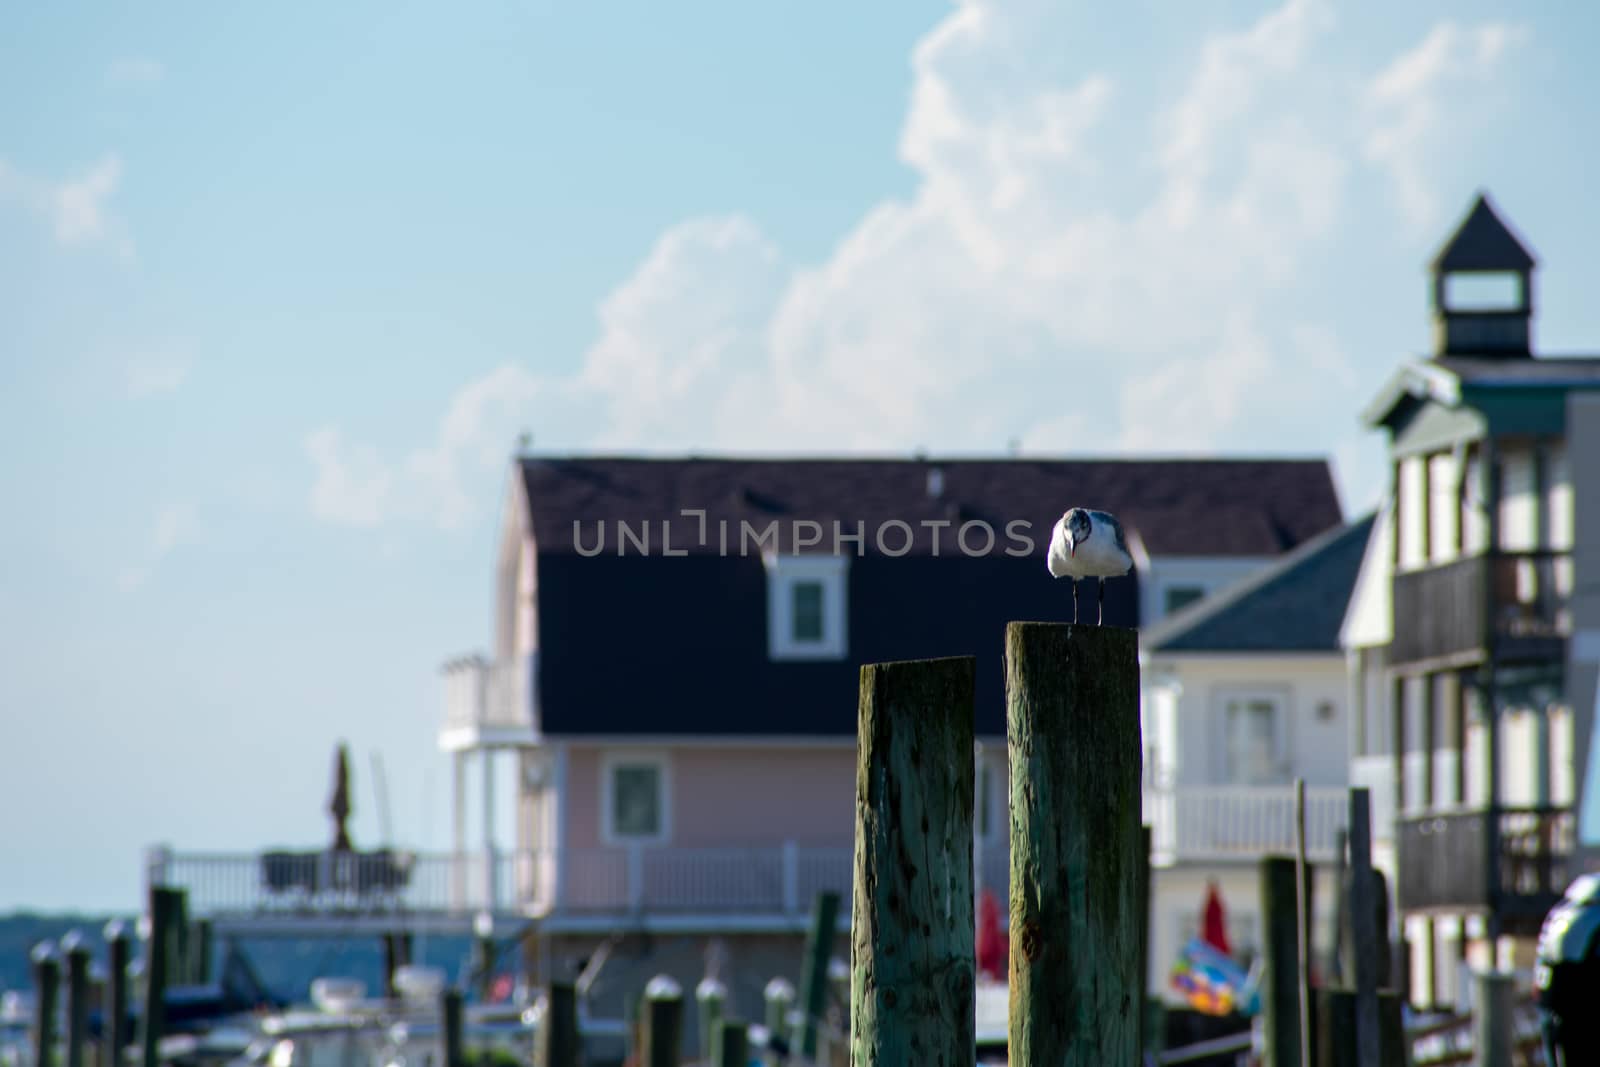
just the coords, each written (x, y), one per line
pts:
(489, 887)
(458, 830)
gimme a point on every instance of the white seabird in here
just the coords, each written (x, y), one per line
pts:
(1088, 544)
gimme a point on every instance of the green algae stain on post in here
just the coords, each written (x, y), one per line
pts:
(1072, 735)
(913, 931)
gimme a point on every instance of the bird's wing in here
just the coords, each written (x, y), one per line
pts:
(1056, 559)
(1112, 523)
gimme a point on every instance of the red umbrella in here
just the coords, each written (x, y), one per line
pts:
(991, 947)
(1214, 926)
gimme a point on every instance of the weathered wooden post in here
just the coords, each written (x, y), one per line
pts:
(663, 1023)
(558, 1037)
(814, 973)
(451, 1049)
(779, 995)
(46, 989)
(710, 995)
(115, 1038)
(164, 909)
(1072, 732)
(77, 954)
(1280, 981)
(178, 972)
(1364, 928)
(1336, 1029)
(731, 1047)
(1144, 937)
(1492, 1031)
(200, 952)
(913, 931)
(1303, 914)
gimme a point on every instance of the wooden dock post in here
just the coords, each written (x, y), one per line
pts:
(178, 944)
(200, 952)
(1280, 983)
(164, 910)
(710, 995)
(663, 1023)
(1364, 929)
(114, 1042)
(77, 955)
(814, 973)
(558, 1038)
(1303, 915)
(779, 995)
(1492, 1029)
(732, 1045)
(451, 1049)
(46, 990)
(1336, 1029)
(1145, 1014)
(1072, 734)
(912, 969)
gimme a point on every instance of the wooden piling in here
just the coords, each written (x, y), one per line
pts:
(178, 972)
(779, 995)
(814, 973)
(451, 1048)
(1280, 980)
(77, 956)
(1364, 929)
(165, 905)
(710, 995)
(115, 1035)
(1492, 1030)
(558, 1037)
(46, 990)
(731, 1047)
(200, 952)
(1072, 733)
(912, 936)
(1144, 937)
(1336, 1029)
(663, 1023)
(1303, 924)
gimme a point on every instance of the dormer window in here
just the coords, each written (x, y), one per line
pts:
(806, 608)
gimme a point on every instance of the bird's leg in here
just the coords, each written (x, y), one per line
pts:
(1100, 615)
(1074, 600)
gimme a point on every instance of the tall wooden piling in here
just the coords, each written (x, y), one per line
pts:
(663, 1023)
(1144, 936)
(77, 955)
(779, 995)
(115, 1035)
(912, 936)
(178, 956)
(1072, 732)
(814, 974)
(46, 990)
(1336, 1029)
(711, 996)
(1493, 1030)
(558, 1038)
(201, 949)
(165, 905)
(1364, 931)
(731, 1047)
(452, 1050)
(1280, 981)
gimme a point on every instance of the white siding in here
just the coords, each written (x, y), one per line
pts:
(1445, 516)
(1558, 514)
(1519, 507)
(1412, 509)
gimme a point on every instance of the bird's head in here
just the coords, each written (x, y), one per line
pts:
(1076, 524)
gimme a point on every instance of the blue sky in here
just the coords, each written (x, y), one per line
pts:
(279, 288)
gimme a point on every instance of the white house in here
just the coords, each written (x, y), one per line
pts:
(1245, 691)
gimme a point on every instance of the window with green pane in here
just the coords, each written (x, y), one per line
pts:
(636, 800)
(807, 611)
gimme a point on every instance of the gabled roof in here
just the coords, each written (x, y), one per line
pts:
(1185, 507)
(1442, 379)
(1483, 242)
(1295, 604)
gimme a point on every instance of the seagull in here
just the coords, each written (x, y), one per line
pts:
(1088, 544)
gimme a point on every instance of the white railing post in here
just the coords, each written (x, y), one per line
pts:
(635, 877)
(791, 878)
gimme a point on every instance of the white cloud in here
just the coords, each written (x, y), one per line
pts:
(135, 70)
(1080, 268)
(151, 373)
(1422, 95)
(356, 486)
(174, 527)
(75, 207)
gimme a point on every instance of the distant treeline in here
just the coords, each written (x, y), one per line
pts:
(286, 965)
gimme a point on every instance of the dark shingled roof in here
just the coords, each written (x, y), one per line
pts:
(1296, 604)
(1186, 507)
(1483, 242)
(1543, 370)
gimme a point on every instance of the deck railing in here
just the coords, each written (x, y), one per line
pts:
(487, 694)
(1240, 822)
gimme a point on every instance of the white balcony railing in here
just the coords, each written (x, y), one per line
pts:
(484, 695)
(1241, 822)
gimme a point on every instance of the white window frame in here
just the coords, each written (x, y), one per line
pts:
(609, 762)
(783, 574)
(1281, 700)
